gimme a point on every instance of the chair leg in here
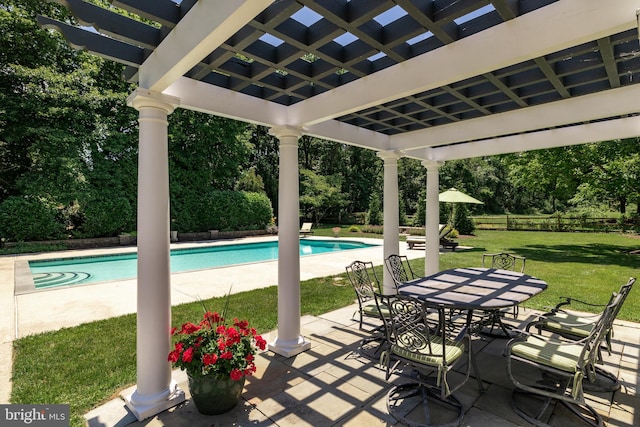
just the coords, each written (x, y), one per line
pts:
(403, 399)
(605, 382)
(547, 393)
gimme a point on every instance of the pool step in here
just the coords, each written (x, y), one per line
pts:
(45, 280)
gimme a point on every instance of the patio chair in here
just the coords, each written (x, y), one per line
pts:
(502, 261)
(421, 240)
(416, 338)
(305, 230)
(365, 283)
(446, 243)
(563, 364)
(577, 326)
(399, 268)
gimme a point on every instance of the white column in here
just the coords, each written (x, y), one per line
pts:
(289, 342)
(155, 390)
(432, 242)
(391, 229)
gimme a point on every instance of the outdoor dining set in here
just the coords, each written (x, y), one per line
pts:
(424, 332)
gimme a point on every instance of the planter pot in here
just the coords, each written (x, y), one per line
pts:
(214, 395)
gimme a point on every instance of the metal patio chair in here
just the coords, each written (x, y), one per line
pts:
(503, 261)
(564, 366)
(365, 283)
(399, 268)
(577, 326)
(416, 338)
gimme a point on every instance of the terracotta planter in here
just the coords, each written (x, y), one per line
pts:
(214, 395)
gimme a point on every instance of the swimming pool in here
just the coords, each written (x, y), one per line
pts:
(93, 269)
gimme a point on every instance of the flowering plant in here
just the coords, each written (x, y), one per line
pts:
(213, 348)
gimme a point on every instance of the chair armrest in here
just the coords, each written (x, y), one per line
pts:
(570, 300)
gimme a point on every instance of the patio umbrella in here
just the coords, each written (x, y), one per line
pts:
(455, 196)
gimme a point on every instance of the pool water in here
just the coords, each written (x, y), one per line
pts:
(93, 269)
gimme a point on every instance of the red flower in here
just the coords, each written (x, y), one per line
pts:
(209, 359)
(236, 374)
(250, 370)
(242, 324)
(187, 356)
(214, 317)
(189, 328)
(174, 356)
(260, 342)
(201, 348)
(173, 330)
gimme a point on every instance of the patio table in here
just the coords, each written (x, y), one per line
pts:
(472, 288)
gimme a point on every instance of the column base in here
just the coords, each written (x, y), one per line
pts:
(147, 406)
(290, 348)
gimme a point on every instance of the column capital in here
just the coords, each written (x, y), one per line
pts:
(432, 164)
(141, 98)
(389, 155)
(282, 131)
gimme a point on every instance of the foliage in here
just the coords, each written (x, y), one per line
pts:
(250, 181)
(354, 229)
(263, 156)
(374, 214)
(107, 216)
(372, 229)
(214, 348)
(420, 218)
(320, 194)
(610, 173)
(461, 220)
(67, 136)
(221, 210)
(29, 218)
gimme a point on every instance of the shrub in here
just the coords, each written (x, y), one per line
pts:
(462, 222)
(374, 214)
(354, 229)
(221, 210)
(106, 217)
(29, 218)
(374, 229)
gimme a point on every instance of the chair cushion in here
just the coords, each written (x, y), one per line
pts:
(565, 323)
(372, 310)
(428, 356)
(560, 356)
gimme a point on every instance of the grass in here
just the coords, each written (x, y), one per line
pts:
(86, 365)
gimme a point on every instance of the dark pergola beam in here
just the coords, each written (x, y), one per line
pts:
(97, 44)
(115, 25)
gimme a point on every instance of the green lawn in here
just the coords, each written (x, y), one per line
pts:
(88, 364)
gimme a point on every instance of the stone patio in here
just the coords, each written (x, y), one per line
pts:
(335, 384)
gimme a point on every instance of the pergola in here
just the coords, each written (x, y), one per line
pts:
(433, 80)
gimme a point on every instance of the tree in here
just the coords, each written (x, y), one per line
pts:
(611, 174)
(264, 156)
(320, 195)
(250, 181)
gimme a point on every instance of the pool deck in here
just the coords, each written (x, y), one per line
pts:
(70, 306)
